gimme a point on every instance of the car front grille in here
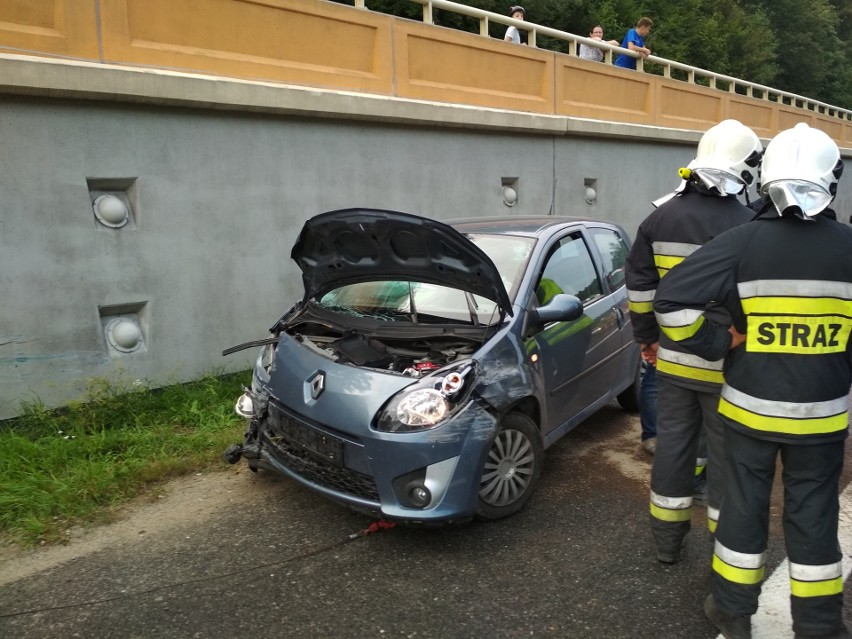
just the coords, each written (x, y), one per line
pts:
(314, 455)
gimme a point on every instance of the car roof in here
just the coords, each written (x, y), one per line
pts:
(531, 226)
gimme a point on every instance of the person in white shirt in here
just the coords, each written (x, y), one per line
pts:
(512, 34)
(589, 52)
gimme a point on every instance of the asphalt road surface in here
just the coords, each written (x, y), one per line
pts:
(234, 554)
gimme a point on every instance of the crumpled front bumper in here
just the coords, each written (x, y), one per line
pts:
(430, 476)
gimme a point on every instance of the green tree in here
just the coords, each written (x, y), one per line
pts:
(750, 42)
(811, 59)
(840, 77)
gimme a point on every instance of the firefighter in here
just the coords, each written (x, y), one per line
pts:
(786, 280)
(703, 207)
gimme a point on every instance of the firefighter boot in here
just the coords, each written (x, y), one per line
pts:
(731, 627)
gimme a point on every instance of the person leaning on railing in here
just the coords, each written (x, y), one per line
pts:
(589, 52)
(635, 41)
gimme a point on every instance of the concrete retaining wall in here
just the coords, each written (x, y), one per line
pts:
(219, 176)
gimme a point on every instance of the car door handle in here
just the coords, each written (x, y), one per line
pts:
(619, 316)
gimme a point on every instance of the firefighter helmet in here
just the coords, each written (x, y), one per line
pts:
(800, 170)
(728, 156)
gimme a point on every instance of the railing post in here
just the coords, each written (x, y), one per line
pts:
(359, 4)
(483, 27)
(531, 38)
(427, 13)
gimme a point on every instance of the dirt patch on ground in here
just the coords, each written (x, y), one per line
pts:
(195, 497)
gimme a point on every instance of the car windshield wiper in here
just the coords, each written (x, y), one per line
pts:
(251, 344)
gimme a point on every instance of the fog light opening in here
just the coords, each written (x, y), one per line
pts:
(419, 496)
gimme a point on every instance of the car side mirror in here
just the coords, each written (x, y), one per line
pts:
(560, 308)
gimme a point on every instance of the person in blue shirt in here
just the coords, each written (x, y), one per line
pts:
(635, 41)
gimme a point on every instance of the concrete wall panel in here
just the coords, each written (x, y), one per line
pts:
(284, 40)
(219, 200)
(830, 126)
(448, 66)
(760, 116)
(54, 27)
(595, 90)
(688, 106)
(789, 117)
(627, 175)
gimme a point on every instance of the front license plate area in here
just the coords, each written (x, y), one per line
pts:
(310, 440)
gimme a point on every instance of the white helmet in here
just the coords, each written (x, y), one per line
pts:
(728, 156)
(800, 169)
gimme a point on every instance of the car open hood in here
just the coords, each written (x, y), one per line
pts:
(363, 245)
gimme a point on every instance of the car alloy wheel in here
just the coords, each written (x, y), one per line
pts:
(512, 468)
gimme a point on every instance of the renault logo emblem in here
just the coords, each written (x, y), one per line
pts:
(317, 384)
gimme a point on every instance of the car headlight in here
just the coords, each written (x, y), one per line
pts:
(429, 402)
(422, 407)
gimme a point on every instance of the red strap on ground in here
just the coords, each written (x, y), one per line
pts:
(375, 526)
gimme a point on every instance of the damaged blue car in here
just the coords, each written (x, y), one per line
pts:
(430, 364)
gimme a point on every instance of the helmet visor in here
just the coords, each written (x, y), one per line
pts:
(725, 183)
(809, 198)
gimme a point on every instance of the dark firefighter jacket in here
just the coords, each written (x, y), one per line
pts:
(788, 286)
(667, 236)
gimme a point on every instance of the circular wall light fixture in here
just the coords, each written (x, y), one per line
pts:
(110, 211)
(510, 196)
(124, 335)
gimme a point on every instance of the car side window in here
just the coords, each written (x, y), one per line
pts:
(613, 251)
(569, 269)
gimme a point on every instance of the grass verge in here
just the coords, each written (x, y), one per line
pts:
(70, 466)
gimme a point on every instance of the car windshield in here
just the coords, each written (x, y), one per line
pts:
(421, 302)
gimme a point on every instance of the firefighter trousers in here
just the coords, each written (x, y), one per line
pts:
(811, 473)
(682, 414)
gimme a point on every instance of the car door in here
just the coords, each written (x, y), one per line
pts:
(612, 250)
(575, 357)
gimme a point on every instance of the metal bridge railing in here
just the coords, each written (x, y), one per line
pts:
(693, 75)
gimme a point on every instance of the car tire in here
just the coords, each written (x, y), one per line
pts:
(512, 468)
(630, 397)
